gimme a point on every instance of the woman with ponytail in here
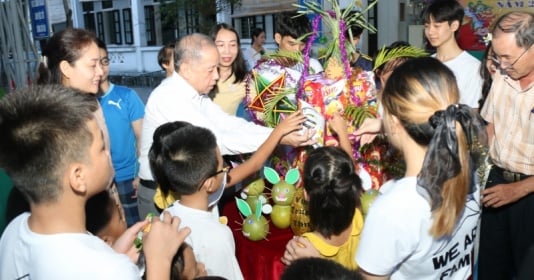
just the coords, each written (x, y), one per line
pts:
(332, 189)
(423, 225)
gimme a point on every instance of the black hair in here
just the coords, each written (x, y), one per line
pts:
(255, 33)
(292, 24)
(444, 10)
(101, 45)
(178, 263)
(333, 189)
(43, 129)
(164, 55)
(64, 45)
(318, 269)
(182, 157)
(239, 66)
(99, 210)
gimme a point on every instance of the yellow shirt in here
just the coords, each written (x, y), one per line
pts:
(230, 95)
(344, 254)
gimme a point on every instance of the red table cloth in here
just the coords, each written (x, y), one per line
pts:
(259, 260)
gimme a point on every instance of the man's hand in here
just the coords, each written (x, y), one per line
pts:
(503, 194)
(299, 139)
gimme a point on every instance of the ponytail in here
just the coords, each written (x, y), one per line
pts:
(456, 148)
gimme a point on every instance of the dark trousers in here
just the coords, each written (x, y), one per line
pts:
(506, 235)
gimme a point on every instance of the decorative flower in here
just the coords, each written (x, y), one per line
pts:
(487, 39)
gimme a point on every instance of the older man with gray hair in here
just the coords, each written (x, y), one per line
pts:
(183, 97)
(507, 227)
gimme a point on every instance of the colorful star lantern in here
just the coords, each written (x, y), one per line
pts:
(266, 89)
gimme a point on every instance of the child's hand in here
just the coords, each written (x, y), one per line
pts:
(299, 247)
(164, 238)
(338, 124)
(291, 123)
(125, 243)
(368, 130)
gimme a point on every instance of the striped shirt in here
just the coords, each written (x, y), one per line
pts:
(511, 110)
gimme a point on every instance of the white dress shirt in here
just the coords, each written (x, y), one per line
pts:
(175, 100)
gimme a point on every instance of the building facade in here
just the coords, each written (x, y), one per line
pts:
(135, 30)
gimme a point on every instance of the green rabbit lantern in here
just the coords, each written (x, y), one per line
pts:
(255, 226)
(282, 195)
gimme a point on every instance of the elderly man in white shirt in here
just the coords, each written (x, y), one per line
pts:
(183, 97)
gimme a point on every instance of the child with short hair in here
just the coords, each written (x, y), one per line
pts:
(187, 163)
(53, 149)
(103, 217)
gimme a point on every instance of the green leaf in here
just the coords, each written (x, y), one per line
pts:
(271, 175)
(243, 207)
(258, 209)
(387, 54)
(292, 176)
(357, 114)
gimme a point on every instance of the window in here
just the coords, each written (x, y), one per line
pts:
(127, 22)
(100, 26)
(188, 22)
(249, 23)
(88, 6)
(150, 24)
(114, 20)
(89, 21)
(107, 4)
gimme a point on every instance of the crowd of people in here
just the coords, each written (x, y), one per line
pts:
(89, 161)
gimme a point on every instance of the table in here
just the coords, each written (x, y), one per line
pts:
(258, 260)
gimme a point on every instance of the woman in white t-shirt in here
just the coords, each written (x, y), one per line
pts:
(255, 51)
(423, 225)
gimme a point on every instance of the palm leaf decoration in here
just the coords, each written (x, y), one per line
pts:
(285, 58)
(278, 104)
(387, 54)
(357, 114)
(331, 19)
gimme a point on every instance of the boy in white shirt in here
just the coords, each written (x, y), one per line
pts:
(442, 22)
(53, 149)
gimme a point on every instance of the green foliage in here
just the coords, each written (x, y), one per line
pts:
(357, 114)
(331, 19)
(387, 54)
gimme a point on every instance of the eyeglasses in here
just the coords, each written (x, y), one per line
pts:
(498, 62)
(224, 170)
(104, 61)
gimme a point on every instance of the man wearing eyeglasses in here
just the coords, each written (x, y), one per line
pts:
(123, 111)
(507, 227)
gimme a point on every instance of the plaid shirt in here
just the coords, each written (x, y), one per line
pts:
(511, 110)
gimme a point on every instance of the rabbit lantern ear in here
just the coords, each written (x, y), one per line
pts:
(271, 175)
(243, 207)
(292, 176)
